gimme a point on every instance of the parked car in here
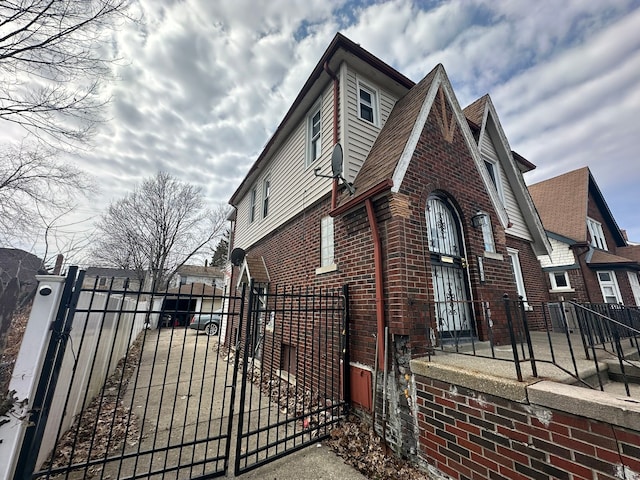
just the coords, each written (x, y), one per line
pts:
(209, 323)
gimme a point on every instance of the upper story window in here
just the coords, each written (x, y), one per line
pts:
(252, 206)
(597, 234)
(266, 193)
(494, 173)
(367, 104)
(314, 122)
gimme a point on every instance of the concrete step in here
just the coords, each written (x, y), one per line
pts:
(631, 370)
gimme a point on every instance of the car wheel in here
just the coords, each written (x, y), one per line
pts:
(211, 329)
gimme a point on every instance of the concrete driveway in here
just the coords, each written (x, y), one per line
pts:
(180, 397)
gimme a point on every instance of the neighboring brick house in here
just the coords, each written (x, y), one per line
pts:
(591, 259)
(440, 213)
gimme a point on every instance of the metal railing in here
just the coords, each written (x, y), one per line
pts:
(585, 341)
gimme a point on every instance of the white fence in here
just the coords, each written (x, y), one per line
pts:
(99, 339)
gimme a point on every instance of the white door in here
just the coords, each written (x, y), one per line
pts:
(448, 269)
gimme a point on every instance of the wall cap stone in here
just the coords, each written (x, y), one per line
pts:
(617, 410)
(478, 381)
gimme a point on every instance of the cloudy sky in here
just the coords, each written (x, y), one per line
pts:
(202, 84)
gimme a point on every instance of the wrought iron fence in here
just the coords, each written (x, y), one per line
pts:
(591, 343)
(294, 388)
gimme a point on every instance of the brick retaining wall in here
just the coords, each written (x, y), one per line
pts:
(468, 434)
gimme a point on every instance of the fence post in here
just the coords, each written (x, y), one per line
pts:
(27, 369)
(512, 336)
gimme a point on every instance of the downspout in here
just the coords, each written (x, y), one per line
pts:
(377, 261)
(377, 256)
(334, 185)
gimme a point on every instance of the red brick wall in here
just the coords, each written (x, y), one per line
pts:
(446, 168)
(472, 435)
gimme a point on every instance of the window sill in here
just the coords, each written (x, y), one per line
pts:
(493, 255)
(562, 290)
(326, 269)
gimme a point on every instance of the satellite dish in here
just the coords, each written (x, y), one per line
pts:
(336, 161)
(237, 256)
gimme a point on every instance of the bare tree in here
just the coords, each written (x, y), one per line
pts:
(157, 228)
(34, 185)
(53, 57)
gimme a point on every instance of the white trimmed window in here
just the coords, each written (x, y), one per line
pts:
(559, 281)
(635, 286)
(252, 206)
(487, 235)
(266, 193)
(314, 133)
(609, 287)
(326, 242)
(494, 173)
(367, 104)
(517, 273)
(597, 234)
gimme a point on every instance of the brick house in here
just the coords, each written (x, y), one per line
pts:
(591, 260)
(437, 214)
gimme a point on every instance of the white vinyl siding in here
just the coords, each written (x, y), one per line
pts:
(561, 254)
(293, 185)
(362, 133)
(518, 227)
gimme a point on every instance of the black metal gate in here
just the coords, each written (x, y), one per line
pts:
(130, 389)
(294, 387)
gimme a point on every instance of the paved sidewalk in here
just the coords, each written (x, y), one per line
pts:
(317, 462)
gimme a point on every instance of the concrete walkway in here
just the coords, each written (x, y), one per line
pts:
(180, 396)
(312, 463)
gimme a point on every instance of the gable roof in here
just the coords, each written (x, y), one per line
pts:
(253, 268)
(392, 139)
(562, 203)
(339, 49)
(475, 111)
(483, 111)
(393, 149)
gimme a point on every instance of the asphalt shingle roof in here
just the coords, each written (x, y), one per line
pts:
(390, 143)
(562, 203)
